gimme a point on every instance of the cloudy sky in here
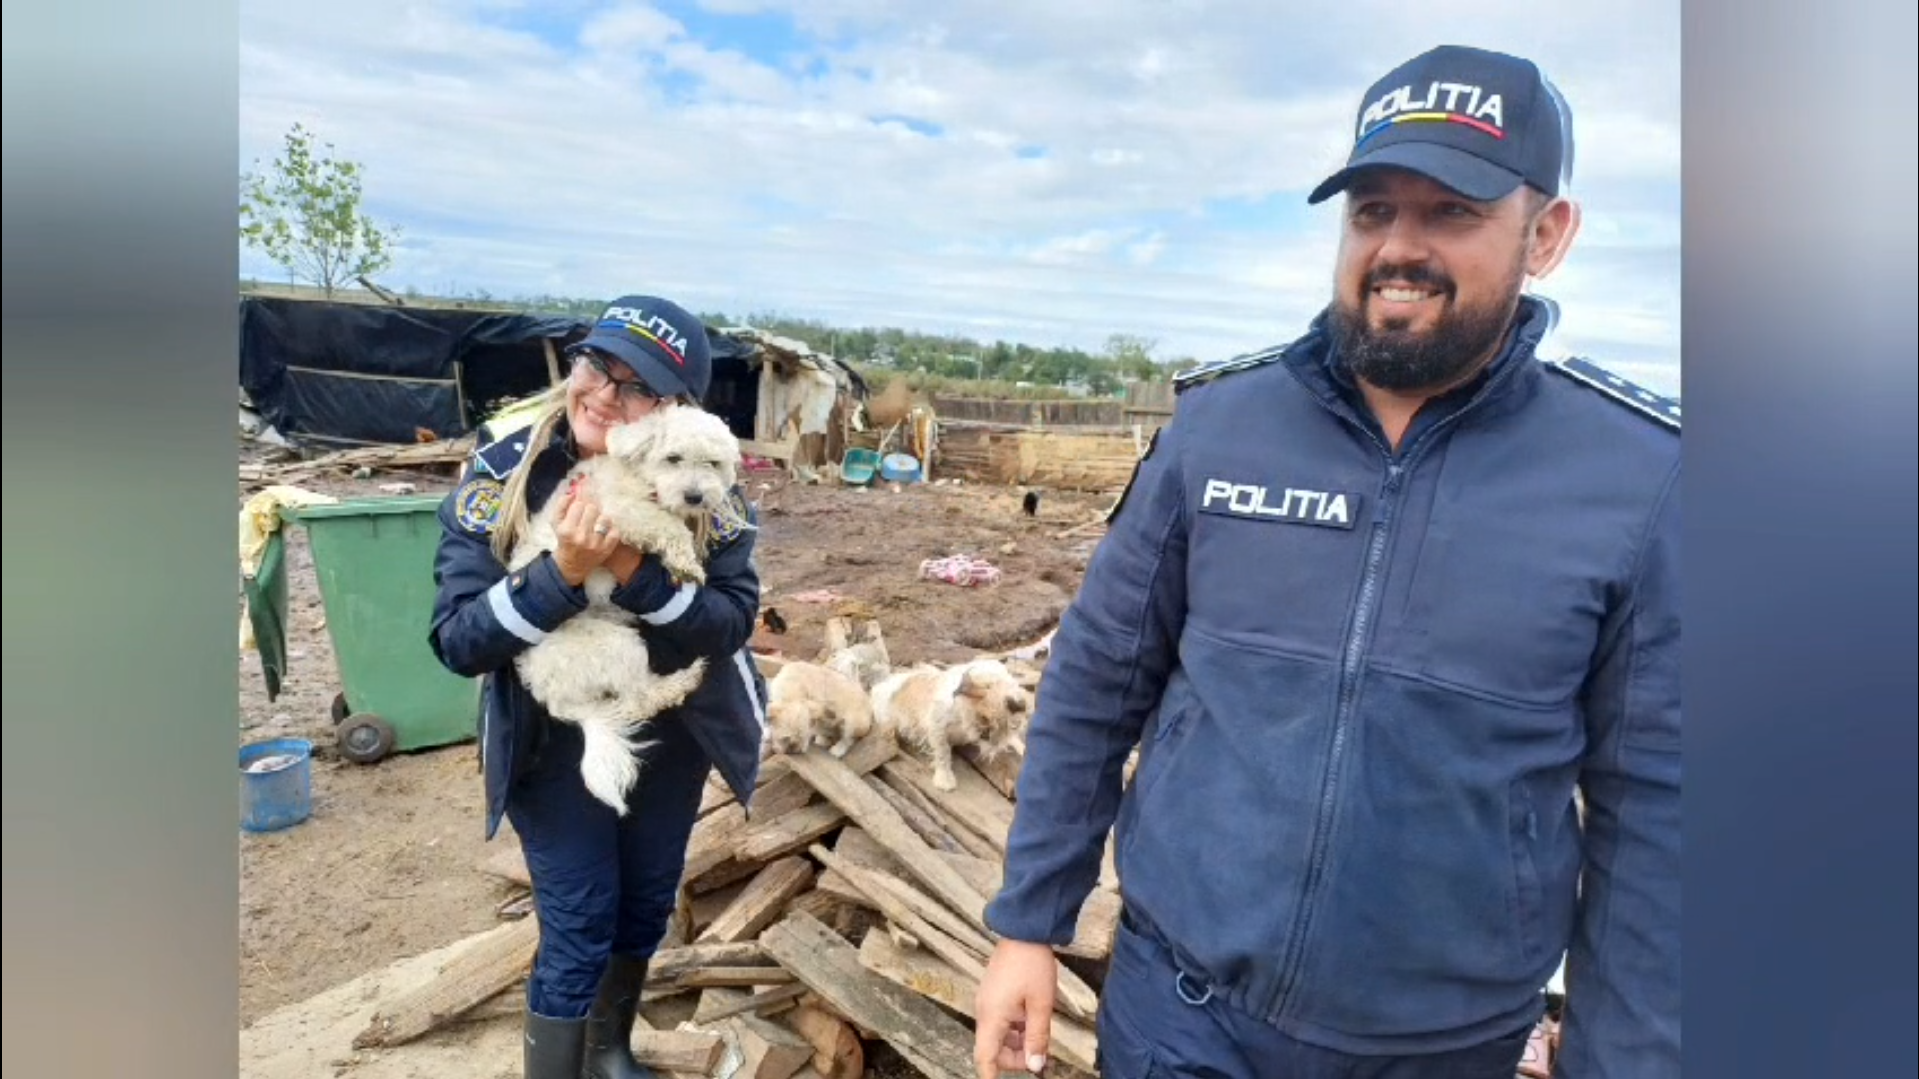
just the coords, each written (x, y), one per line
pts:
(1043, 171)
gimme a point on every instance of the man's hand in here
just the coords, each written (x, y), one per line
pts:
(586, 538)
(1015, 1009)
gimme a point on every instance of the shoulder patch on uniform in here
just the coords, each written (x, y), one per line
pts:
(1152, 444)
(725, 527)
(1658, 407)
(477, 504)
(499, 457)
(1206, 372)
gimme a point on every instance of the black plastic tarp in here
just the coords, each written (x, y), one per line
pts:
(347, 373)
(359, 373)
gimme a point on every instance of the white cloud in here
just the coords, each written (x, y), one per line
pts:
(1140, 169)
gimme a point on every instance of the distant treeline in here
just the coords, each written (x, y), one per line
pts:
(940, 362)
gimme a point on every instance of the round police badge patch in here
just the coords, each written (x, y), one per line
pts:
(726, 527)
(478, 504)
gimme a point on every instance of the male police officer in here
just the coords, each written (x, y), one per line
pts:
(1374, 606)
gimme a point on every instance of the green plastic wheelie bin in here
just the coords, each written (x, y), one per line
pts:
(374, 561)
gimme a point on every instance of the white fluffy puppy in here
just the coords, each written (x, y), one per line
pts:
(661, 482)
(809, 704)
(977, 703)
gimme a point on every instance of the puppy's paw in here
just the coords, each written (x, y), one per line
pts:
(944, 779)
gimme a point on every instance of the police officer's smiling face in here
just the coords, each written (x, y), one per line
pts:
(601, 393)
(1428, 280)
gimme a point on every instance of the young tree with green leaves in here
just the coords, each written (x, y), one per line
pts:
(304, 212)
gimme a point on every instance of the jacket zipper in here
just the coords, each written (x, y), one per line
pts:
(1352, 664)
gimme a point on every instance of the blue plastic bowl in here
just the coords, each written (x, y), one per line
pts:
(900, 468)
(278, 794)
(858, 465)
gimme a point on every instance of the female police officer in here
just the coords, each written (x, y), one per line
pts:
(604, 886)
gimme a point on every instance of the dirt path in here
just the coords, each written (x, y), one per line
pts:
(386, 867)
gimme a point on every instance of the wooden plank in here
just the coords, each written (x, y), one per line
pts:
(837, 1052)
(838, 911)
(917, 817)
(760, 903)
(777, 787)
(1098, 917)
(501, 957)
(701, 911)
(844, 788)
(783, 835)
(928, 1037)
(929, 975)
(973, 802)
(686, 1051)
(933, 912)
(731, 977)
(966, 952)
(671, 964)
(712, 841)
(718, 1003)
(903, 915)
(766, 1049)
(957, 834)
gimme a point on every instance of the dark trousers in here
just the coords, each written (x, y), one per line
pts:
(1152, 1023)
(602, 885)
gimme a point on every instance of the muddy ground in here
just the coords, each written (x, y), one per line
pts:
(386, 868)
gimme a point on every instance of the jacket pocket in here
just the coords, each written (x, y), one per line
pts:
(1528, 893)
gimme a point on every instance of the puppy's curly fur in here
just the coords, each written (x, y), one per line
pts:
(661, 482)
(864, 660)
(934, 711)
(810, 704)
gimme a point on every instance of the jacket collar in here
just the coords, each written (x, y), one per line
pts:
(1312, 359)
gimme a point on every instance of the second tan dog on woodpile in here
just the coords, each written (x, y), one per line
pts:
(936, 711)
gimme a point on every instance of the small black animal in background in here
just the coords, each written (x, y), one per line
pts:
(771, 619)
(1031, 504)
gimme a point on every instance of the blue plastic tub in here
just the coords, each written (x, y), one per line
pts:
(900, 468)
(274, 793)
(858, 466)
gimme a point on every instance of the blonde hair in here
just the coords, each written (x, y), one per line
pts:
(549, 408)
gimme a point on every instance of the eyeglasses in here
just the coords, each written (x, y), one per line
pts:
(594, 375)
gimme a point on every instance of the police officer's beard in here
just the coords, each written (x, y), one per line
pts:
(1393, 358)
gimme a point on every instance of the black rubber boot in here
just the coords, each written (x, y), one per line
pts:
(555, 1048)
(609, 1026)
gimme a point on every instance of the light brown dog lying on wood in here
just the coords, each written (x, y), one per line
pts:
(809, 705)
(977, 703)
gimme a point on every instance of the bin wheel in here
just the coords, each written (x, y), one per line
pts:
(365, 738)
(340, 709)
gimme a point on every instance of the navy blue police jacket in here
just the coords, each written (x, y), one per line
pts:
(483, 617)
(1365, 685)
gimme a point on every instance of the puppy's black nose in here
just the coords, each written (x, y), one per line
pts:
(694, 498)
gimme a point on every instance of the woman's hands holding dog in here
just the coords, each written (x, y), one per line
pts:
(586, 538)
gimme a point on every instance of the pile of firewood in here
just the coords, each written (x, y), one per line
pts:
(438, 456)
(845, 911)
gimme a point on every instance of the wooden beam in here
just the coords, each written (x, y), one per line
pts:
(930, 1039)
